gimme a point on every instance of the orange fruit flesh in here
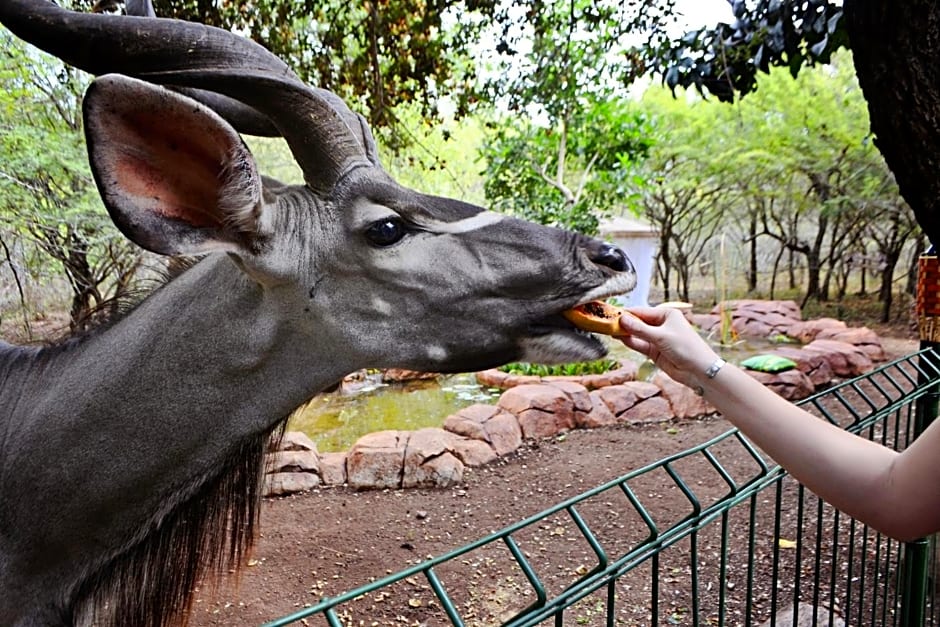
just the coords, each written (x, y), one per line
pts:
(597, 317)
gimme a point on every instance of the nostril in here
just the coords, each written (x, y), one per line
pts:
(613, 258)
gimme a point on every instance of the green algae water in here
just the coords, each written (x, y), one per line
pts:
(335, 421)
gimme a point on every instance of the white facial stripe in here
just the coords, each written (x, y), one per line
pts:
(480, 220)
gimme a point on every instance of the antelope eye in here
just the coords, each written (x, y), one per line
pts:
(386, 231)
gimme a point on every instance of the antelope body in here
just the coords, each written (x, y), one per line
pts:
(158, 425)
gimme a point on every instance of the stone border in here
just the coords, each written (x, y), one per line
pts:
(547, 407)
(496, 378)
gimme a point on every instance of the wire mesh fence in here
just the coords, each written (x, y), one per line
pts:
(749, 546)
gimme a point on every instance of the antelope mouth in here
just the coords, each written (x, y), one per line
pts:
(554, 339)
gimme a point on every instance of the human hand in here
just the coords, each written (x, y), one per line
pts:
(667, 338)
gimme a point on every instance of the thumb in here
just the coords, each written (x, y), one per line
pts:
(642, 321)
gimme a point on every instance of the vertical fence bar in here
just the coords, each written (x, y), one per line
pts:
(913, 585)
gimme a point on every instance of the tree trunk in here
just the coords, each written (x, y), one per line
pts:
(896, 46)
(752, 273)
(885, 294)
(665, 266)
(813, 270)
(914, 267)
(791, 257)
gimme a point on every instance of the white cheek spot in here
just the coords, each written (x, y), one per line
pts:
(382, 306)
(437, 353)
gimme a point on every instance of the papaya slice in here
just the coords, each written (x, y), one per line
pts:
(597, 317)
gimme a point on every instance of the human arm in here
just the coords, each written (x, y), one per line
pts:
(896, 493)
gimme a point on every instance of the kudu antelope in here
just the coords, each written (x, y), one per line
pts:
(130, 459)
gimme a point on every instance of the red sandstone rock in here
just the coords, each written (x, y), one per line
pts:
(429, 460)
(622, 375)
(504, 432)
(297, 441)
(487, 423)
(471, 421)
(643, 389)
(293, 461)
(536, 423)
(779, 322)
(846, 360)
(542, 410)
(786, 308)
(617, 398)
(683, 402)
(790, 384)
(283, 483)
(333, 468)
(473, 452)
(862, 337)
(620, 398)
(543, 397)
(751, 328)
(493, 378)
(401, 374)
(706, 322)
(653, 409)
(806, 330)
(812, 364)
(376, 460)
(599, 416)
(575, 391)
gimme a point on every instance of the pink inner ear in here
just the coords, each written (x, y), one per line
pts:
(175, 163)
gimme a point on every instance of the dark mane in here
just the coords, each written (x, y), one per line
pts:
(207, 531)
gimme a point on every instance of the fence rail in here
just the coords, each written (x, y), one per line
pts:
(748, 543)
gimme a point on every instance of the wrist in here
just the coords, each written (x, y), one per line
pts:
(707, 374)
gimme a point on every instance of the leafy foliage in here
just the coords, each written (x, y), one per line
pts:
(375, 55)
(380, 55)
(568, 176)
(555, 52)
(599, 366)
(725, 59)
(48, 203)
(791, 167)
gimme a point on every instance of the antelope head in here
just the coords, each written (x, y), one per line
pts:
(389, 275)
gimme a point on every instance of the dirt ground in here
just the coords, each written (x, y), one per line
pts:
(325, 542)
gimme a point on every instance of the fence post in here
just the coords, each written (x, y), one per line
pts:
(915, 572)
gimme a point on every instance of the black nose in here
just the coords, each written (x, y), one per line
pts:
(613, 258)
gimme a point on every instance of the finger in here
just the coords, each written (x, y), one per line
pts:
(637, 344)
(633, 324)
(650, 315)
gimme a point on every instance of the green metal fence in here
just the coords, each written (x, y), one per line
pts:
(747, 542)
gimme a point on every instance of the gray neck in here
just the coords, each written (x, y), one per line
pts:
(146, 408)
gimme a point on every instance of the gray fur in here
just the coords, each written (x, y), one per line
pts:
(114, 447)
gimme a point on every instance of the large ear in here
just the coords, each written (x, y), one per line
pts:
(175, 177)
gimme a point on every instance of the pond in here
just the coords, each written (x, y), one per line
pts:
(336, 420)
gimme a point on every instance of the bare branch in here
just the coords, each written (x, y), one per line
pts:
(19, 287)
